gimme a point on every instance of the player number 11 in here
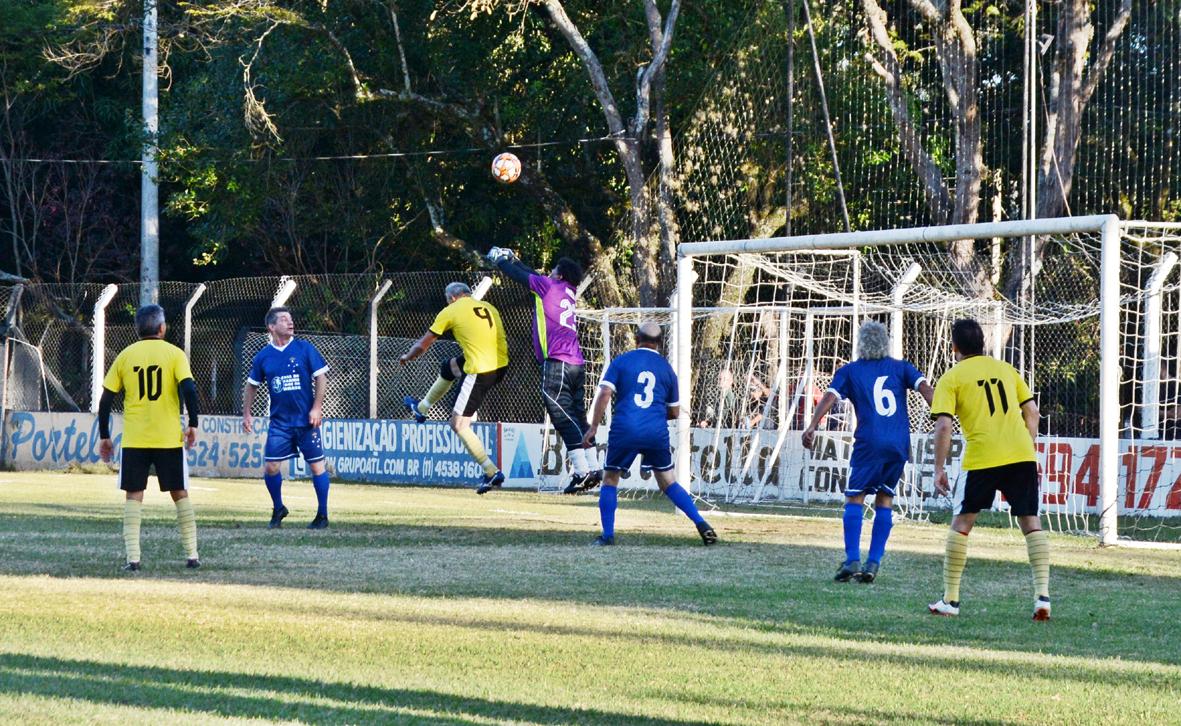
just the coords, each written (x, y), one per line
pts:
(1000, 390)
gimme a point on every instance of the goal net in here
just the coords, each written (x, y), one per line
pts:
(1088, 309)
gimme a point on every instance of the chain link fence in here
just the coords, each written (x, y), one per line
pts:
(361, 324)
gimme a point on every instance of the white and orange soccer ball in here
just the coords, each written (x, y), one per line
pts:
(506, 168)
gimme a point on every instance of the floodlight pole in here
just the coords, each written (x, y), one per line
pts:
(149, 193)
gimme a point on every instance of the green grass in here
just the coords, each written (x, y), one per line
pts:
(437, 606)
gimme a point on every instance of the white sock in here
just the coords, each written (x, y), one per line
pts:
(578, 461)
(592, 458)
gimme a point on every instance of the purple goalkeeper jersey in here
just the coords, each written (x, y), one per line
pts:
(555, 331)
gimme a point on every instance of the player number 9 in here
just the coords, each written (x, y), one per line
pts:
(483, 313)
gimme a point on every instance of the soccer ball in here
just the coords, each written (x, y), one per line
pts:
(506, 168)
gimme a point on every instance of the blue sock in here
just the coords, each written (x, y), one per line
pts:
(320, 484)
(608, 500)
(853, 518)
(684, 502)
(274, 484)
(883, 522)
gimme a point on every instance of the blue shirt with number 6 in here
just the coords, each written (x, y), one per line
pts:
(877, 389)
(645, 386)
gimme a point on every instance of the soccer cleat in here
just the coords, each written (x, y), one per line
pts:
(320, 522)
(277, 516)
(193, 563)
(602, 541)
(848, 571)
(592, 480)
(868, 573)
(412, 406)
(576, 484)
(131, 567)
(944, 608)
(1041, 608)
(491, 482)
(708, 535)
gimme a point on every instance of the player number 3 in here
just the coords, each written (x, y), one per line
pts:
(647, 379)
(883, 398)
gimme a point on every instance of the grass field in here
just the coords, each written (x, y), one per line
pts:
(440, 607)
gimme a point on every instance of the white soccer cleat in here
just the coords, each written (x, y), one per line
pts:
(945, 609)
(1041, 609)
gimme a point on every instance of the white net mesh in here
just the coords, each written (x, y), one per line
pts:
(769, 330)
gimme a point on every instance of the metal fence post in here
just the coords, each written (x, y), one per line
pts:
(1109, 380)
(381, 291)
(189, 317)
(9, 323)
(98, 348)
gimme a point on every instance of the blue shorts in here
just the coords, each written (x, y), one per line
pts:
(286, 442)
(879, 475)
(620, 457)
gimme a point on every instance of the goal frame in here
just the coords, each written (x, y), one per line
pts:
(1107, 226)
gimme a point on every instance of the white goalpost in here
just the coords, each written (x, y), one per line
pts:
(1093, 323)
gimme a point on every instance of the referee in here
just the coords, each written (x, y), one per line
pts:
(152, 375)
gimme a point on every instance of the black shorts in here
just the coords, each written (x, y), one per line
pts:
(1017, 482)
(172, 469)
(474, 388)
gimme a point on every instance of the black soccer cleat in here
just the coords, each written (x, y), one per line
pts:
(491, 482)
(412, 406)
(193, 564)
(277, 516)
(708, 535)
(592, 480)
(575, 485)
(849, 570)
(602, 541)
(131, 567)
(320, 522)
(868, 573)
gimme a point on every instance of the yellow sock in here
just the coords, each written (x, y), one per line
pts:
(132, 513)
(476, 449)
(186, 521)
(1038, 545)
(955, 556)
(438, 389)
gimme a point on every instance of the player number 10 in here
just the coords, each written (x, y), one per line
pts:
(151, 381)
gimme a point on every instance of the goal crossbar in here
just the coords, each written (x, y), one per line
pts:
(1106, 226)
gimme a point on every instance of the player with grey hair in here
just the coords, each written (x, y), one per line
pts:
(480, 334)
(876, 384)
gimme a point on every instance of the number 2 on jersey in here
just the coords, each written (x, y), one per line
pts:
(566, 319)
(647, 379)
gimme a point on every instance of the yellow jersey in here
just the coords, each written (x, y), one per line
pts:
(149, 374)
(479, 332)
(986, 395)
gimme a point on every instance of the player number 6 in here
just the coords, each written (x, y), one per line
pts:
(883, 398)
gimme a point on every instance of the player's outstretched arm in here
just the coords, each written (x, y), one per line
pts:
(826, 403)
(248, 406)
(420, 346)
(514, 268)
(188, 392)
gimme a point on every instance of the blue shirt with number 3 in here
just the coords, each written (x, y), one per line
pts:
(877, 389)
(645, 386)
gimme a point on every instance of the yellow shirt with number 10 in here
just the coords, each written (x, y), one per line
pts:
(149, 374)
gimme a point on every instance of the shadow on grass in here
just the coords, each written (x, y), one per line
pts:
(227, 694)
(772, 587)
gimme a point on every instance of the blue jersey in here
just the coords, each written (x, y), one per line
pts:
(877, 388)
(288, 373)
(645, 386)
